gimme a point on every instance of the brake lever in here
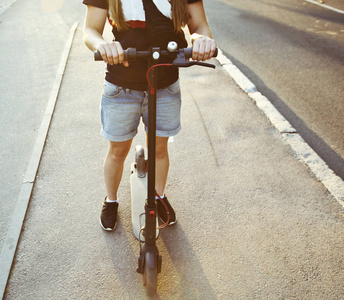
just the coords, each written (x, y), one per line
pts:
(187, 64)
(181, 62)
(199, 63)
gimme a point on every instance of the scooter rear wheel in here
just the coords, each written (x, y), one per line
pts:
(150, 273)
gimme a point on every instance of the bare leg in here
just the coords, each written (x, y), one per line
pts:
(162, 164)
(113, 166)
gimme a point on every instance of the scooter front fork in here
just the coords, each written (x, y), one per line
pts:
(155, 260)
(150, 245)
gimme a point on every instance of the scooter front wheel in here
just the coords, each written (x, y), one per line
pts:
(150, 273)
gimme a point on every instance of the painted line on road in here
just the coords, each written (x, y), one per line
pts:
(5, 5)
(333, 183)
(326, 6)
(18, 217)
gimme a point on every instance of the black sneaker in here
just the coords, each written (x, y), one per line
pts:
(108, 216)
(164, 209)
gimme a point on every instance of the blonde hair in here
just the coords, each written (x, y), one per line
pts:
(180, 16)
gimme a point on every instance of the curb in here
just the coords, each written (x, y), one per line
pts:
(18, 217)
(333, 183)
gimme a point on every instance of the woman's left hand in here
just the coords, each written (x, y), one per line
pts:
(203, 47)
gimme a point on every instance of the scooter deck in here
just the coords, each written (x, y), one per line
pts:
(138, 199)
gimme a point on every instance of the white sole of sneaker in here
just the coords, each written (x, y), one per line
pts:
(169, 224)
(107, 229)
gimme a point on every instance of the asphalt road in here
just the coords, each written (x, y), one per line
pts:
(253, 222)
(293, 52)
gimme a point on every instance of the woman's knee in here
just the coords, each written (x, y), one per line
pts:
(118, 151)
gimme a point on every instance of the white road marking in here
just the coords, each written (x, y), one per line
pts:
(326, 6)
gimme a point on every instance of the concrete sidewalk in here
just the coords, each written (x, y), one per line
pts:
(253, 222)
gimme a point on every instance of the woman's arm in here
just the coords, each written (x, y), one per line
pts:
(203, 46)
(112, 52)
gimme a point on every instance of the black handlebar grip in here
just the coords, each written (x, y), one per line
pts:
(128, 54)
(188, 52)
(97, 55)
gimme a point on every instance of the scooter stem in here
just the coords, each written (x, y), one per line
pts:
(150, 228)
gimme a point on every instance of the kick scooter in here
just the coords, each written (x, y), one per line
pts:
(142, 178)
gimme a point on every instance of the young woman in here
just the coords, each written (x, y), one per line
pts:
(124, 98)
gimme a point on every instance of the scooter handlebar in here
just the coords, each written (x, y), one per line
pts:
(131, 54)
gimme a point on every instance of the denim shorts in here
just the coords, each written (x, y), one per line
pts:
(122, 109)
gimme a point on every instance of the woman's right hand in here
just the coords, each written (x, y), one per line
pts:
(112, 53)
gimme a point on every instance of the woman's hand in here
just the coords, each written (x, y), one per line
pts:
(203, 47)
(112, 53)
